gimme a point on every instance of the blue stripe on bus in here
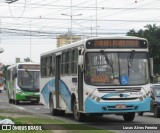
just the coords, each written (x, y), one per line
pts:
(49, 87)
(64, 92)
(91, 106)
(115, 94)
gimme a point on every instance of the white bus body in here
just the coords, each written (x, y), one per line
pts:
(86, 77)
(22, 82)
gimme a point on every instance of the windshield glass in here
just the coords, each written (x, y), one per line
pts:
(1, 80)
(116, 68)
(156, 91)
(28, 80)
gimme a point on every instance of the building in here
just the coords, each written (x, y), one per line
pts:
(66, 39)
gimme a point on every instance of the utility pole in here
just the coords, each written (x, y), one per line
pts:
(30, 41)
(71, 17)
(96, 17)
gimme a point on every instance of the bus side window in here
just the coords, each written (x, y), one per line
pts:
(67, 62)
(50, 66)
(53, 65)
(75, 60)
(63, 64)
(43, 66)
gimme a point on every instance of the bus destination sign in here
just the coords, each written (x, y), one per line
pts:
(29, 66)
(116, 43)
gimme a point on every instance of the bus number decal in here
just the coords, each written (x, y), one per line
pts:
(100, 79)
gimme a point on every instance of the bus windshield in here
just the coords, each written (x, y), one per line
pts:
(127, 68)
(28, 80)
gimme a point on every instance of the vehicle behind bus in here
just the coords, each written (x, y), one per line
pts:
(23, 82)
(155, 101)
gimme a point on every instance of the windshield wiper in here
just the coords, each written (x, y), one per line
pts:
(109, 62)
(130, 60)
(30, 76)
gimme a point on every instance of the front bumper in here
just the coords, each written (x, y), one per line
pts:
(91, 106)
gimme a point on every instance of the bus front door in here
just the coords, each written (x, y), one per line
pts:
(57, 80)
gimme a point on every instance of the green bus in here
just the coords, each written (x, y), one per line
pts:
(22, 82)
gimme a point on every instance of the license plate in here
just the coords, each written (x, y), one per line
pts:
(33, 99)
(120, 106)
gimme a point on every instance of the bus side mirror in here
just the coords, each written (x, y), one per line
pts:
(151, 67)
(80, 61)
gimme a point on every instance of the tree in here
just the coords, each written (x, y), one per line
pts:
(4, 70)
(152, 34)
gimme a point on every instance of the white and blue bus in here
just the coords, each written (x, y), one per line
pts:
(96, 76)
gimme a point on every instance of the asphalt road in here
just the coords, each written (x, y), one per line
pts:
(105, 122)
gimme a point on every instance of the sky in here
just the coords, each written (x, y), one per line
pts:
(30, 27)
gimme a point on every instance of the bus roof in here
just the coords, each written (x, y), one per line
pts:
(15, 65)
(82, 42)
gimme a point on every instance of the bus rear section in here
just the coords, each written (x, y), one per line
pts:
(23, 83)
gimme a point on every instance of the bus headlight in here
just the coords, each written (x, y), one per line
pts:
(19, 91)
(90, 95)
(144, 96)
(98, 99)
(141, 98)
(38, 93)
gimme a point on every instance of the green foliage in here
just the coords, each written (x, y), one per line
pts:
(152, 34)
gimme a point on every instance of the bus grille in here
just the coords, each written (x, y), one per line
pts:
(113, 108)
(128, 98)
(109, 90)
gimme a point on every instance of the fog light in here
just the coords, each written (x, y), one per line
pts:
(98, 99)
(140, 98)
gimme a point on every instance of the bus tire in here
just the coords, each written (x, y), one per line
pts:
(16, 102)
(129, 117)
(140, 113)
(10, 101)
(156, 112)
(61, 112)
(51, 106)
(77, 115)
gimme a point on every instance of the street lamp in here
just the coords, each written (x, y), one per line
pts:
(94, 28)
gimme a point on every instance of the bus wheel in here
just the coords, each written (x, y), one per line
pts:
(10, 101)
(61, 112)
(78, 116)
(51, 106)
(129, 117)
(140, 113)
(156, 112)
(16, 102)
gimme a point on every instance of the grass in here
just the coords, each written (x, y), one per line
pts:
(61, 125)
